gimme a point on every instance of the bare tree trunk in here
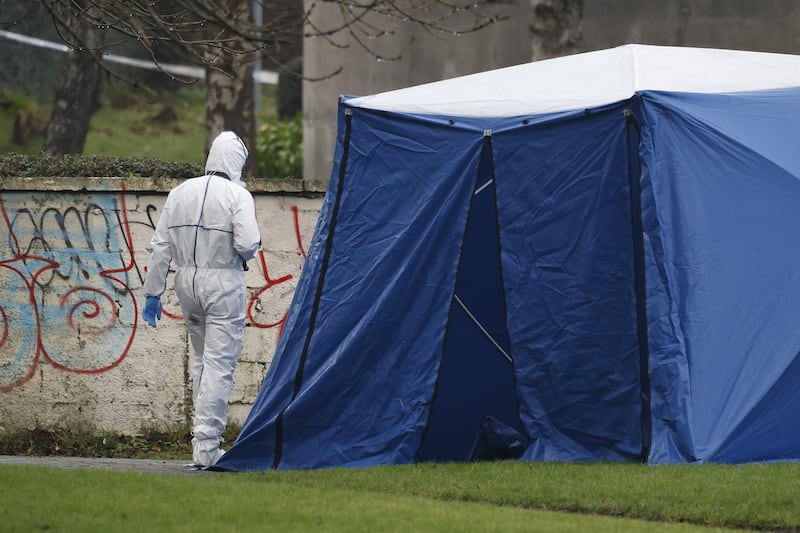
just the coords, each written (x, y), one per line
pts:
(77, 98)
(230, 101)
(684, 17)
(230, 106)
(556, 27)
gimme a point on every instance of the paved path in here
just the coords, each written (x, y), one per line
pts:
(152, 466)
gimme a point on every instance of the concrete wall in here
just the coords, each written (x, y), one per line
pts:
(424, 58)
(766, 25)
(74, 350)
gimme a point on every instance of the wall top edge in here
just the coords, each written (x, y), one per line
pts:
(151, 185)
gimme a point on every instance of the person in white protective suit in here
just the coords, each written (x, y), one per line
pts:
(208, 229)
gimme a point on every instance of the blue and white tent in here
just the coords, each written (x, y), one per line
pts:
(594, 257)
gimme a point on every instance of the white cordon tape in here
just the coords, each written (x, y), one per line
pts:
(261, 76)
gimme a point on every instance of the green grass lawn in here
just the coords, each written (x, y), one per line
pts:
(132, 127)
(501, 496)
(128, 125)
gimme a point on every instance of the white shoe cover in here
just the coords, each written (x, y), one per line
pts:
(206, 453)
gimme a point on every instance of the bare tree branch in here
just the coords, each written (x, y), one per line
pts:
(227, 38)
(200, 31)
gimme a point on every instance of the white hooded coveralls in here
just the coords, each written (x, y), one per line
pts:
(208, 228)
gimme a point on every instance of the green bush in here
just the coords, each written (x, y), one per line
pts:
(42, 166)
(279, 145)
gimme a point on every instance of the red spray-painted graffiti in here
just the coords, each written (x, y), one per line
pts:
(75, 270)
(254, 299)
(32, 316)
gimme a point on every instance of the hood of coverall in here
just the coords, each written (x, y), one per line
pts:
(227, 155)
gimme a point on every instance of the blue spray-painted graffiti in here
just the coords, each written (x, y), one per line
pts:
(64, 270)
(68, 277)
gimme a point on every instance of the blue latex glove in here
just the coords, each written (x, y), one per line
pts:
(152, 310)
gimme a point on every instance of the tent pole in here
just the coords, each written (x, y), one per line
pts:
(632, 136)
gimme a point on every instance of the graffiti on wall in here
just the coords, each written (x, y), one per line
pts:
(70, 275)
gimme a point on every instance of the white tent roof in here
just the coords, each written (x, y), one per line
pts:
(590, 79)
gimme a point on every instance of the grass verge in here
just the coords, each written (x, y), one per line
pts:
(38, 498)
(78, 442)
(752, 496)
(443, 496)
(128, 124)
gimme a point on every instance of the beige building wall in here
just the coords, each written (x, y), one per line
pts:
(74, 351)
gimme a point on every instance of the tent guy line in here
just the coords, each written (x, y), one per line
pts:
(482, 187)
(483, 329)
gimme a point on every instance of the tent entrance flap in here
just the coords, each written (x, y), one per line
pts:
(476, 373)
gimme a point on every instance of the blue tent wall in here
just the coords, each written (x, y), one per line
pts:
(433, 407)
(720, 175)
(564, 211)
(369, 369)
